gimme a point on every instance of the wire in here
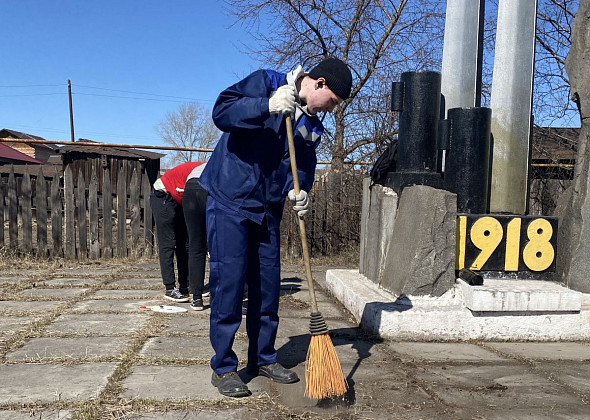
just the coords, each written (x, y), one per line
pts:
(131, 97)
(32, 94)
(137, 93)
(26, 86)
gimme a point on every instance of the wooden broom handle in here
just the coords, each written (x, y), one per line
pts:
(314, 304)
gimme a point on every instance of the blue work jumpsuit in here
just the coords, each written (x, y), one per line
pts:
(248, 177)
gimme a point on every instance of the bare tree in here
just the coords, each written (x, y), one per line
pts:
(378, 39)
(191, 126)
(552, 105)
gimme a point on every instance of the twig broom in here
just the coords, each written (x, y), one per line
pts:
(323, 374)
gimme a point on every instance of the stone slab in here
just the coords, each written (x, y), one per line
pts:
(58, 293)
(294, 309)
(98, 324)
(12, 280)
(289, 327)
(445, 318)
(293, 351)
(235, 414)
(115, 305)
(141, 283)
(533, 413)
(45, 383)
(507, 386)
(84, 272)
(128, 294)
(186, 348)
(448, 352)
(143, 273)
(70, 281)
(180, 382)
(519, 296)
(192, 324)
(27, 306)
(545, 351)
(575, 375)
(74, 348)
(9, 324)
(39, 414)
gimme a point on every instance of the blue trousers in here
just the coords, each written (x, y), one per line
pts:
(242, 251)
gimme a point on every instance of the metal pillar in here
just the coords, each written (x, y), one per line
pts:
(511, 103)
(462, 54)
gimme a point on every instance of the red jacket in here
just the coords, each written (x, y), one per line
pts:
(175, 178)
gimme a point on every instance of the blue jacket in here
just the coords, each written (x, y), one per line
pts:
(249, 170)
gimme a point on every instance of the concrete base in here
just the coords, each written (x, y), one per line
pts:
(565, 317)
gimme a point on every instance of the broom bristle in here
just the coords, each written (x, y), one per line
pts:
(323, 374)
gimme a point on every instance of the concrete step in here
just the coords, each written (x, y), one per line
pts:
(565, 315)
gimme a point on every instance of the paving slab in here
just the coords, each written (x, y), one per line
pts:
(289, 326)
(506, 386)
(187, 348)
(75, 348)
(449, 352)
(327, 309)
(398, 398)
(114, 305)
(545, 351)
(574, 375)
(180, 382)
(9, 324)
(45, 383)
(36, 415)
(292, 351)
(303, 295)
(58, 293)
(84, 272)
(236, 414)
(189, 324)
(128, 294)
(98, 324)
(12, 280)
(543, 413)
(141, 283)
(28, 306)
(70, 281)
(141, 274)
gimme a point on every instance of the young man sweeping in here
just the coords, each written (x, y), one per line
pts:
(248, 178)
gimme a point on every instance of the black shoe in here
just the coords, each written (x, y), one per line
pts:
(176, 296)
(197, 304)
(244, 309)
(275, 372)
(230, 385)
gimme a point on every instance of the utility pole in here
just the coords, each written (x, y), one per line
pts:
(71, 109)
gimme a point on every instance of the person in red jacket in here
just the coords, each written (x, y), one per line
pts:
(171, 229)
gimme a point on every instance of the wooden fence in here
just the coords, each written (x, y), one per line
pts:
(76, 220)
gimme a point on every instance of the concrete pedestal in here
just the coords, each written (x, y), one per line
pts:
(541, 311)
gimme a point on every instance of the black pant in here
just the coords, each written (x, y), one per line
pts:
(172, 239)
(194, 203)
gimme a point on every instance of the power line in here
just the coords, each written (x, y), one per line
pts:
(26, 86)
(138, 93)
(129, 97)
(33, 94)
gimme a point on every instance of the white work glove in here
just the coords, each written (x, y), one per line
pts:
(301, 206)
(283, 100)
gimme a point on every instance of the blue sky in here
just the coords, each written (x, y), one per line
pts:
(180, 48)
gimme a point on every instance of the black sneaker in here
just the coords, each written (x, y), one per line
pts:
(176, 296)
(244, 309)
(197, 305)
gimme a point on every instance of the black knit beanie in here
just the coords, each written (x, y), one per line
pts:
(337, 75)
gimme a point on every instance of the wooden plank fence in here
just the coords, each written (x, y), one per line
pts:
(81, 219)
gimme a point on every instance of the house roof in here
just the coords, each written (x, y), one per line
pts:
(8, 133)
(111, 151)
(555, 143)
(10, 155)
(48, 170)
